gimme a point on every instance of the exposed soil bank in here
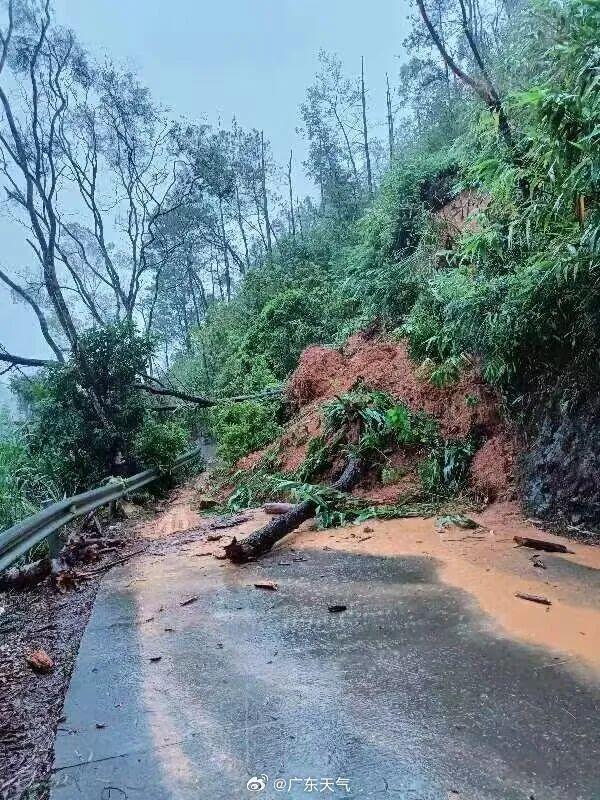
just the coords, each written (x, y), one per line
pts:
(466, 410)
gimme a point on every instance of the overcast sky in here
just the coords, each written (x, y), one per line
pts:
(252, 59)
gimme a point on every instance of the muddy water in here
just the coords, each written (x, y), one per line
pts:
(486, 564)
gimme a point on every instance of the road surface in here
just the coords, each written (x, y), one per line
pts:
(412, 692)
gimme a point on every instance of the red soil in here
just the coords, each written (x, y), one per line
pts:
(251, 461)
(492, 467)
(323, 373)
(459, 215)
(468, 405)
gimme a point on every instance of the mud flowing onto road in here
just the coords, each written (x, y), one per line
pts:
(483, 562)
(179, 515)
(486, 564)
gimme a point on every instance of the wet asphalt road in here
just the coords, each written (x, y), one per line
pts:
(410, 693)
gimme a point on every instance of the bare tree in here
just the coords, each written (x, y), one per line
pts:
(390, 118)
(482, 85)
(364, 127)
(265, 199)
(30, 159)
(291, 194)
(68, 125)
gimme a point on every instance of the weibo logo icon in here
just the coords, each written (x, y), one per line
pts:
(257, 784)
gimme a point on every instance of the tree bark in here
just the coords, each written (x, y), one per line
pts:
(262, 540)
(265, 199)
(365, 131)
(225, 252)
(292, 216)
(390, 118)
(242, 230)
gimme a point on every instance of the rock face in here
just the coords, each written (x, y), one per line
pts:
(561, 463)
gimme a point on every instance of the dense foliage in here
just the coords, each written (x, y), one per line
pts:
(85, 421)
(515, 284)
(517, 288)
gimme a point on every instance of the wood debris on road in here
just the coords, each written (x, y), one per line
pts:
(270, 586)
(189, 601)
(541, 544)
(534, 598)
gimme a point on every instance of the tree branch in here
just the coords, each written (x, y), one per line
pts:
(38, 311)
(207, 402)
(22, 361)
(484, 89)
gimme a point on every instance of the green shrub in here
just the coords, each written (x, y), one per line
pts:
(445, 470)
(66, 437)
(23, 486)
(158, 444)
(241, 428)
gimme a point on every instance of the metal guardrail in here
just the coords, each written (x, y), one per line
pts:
(17, 540)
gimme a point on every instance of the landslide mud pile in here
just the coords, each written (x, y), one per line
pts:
(465, 416)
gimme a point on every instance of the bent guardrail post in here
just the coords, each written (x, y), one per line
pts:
(17, 540)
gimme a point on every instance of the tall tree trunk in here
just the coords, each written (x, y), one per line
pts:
(225, 252)
(390, 118)
(446, 68)
(365, 131)
(190, 275)
(242, 229)
(299, 218)
(348, 148)
(289, 176)
(202, 294)
(483, 88)
(263, 170)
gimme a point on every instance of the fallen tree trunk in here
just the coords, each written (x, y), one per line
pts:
(207, 402)
(19, 578)
(262, 540)
(277, 508)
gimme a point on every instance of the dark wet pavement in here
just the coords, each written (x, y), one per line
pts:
(409, 693)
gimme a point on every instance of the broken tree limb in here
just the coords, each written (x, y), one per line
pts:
(541, 544)
(78, 549)
(22, 361)
(208, 402)
(111, 564)
(262, 540)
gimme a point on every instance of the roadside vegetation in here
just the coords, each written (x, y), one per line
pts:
(471, 231)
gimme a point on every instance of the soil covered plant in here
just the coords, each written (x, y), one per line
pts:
(421, 445)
